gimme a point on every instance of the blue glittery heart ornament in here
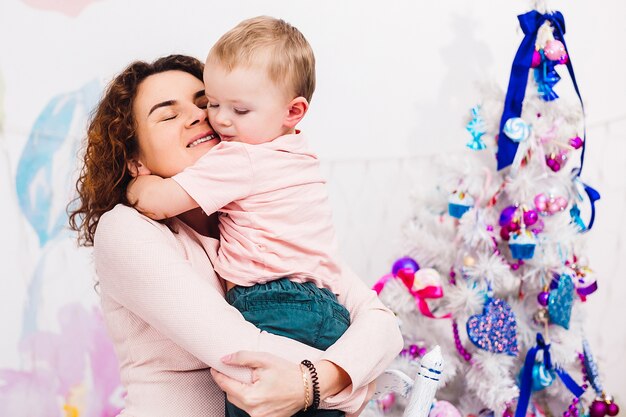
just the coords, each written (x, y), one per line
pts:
(561, 301)
(496, 329)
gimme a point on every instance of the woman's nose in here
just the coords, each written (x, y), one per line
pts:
(198, 115)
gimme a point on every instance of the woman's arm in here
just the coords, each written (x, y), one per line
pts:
(346, 368)
(369, 345)
(140, 266)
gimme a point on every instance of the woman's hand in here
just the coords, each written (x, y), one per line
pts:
(276, 390)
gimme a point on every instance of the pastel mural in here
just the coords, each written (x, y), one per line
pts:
(55, 359)
(66, 359)
(1, 102)
(71, 8)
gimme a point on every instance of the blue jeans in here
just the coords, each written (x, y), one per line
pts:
(300, 311)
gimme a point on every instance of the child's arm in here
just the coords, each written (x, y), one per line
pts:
(159, 198)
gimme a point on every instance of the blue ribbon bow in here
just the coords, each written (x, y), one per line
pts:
(527, 376)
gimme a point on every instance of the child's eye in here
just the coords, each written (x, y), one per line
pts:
(241, 111)
(213, 106)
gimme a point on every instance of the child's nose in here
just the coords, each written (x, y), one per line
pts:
(222, 118)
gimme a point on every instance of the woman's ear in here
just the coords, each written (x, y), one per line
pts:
(297, 109)
(137, 168)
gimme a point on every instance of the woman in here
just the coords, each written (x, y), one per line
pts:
(163, 303)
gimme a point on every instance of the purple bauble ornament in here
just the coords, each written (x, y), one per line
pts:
(507, 215)
(576, 142)
(507, 413)
(598, 408)
(530, 217)
(553, 164)
(536, 59)
(413, 349)
(542, 298)
(405, 263)
(612, 409)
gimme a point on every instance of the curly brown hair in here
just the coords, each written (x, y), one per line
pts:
(111, 143)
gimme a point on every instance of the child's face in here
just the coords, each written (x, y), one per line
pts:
(245, 105)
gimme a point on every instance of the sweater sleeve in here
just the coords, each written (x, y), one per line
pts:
(139, 266)
(221, 176)
(371, 342)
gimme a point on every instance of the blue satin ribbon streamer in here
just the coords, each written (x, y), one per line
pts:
(593, 196)
(530, 23)
(527, 376)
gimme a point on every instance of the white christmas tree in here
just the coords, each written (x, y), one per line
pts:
(494, 270)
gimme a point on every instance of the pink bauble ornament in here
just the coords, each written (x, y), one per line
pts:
(541, 202)
(536, 59)
(514, 226)
(612, 409)
(564, 59)
(554, 50)
(598, 408)
(542, 298)
(561, 202)
(505, 233)
(553, 207)
(387, 402)
(530, 217)
(444, 409)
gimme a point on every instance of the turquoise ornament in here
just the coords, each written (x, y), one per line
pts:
(561, 301)
(476, 127)
(542, 377)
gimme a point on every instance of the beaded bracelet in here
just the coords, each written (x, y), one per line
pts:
(305, 382)
(314, 382)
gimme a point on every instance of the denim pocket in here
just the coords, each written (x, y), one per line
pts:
(341, 314)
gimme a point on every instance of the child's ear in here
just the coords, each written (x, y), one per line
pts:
(137, 168)
(297, 109)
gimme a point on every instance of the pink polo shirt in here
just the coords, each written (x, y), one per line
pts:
(275, 218)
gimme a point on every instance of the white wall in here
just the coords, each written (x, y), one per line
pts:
(395, 82)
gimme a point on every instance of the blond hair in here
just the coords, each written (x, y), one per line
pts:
(276, 44)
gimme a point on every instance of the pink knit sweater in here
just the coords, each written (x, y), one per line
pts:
(164, 308)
